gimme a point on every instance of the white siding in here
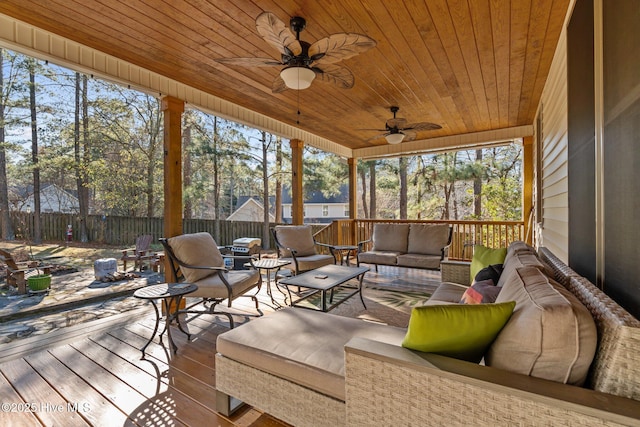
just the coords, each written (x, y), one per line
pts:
(312, 210)
(552, 229)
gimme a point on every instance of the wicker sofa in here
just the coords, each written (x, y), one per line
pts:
(407, 245)
(346, 372)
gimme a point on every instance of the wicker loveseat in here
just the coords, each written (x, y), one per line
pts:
(342, 372)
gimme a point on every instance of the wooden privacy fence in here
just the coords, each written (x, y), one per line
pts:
(122, 231)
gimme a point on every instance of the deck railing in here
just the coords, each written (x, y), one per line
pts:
(492, 234)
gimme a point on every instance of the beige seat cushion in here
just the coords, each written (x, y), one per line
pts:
(302, 346)
(428, 239)
(550, 335)
(197, 249)
(296, 237)
(390, 237)
(447, 292)
(378, 257)
(419, 261)
(307, 263)
(239, 280)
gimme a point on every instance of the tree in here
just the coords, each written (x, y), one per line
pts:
(503, 189)
(10, 86)
(187, 119)
(265, 190)
(363, 179)
(81, 151)
(278, 189)
(37, 233)
(402, 172)
(372, 189)
(477, 188)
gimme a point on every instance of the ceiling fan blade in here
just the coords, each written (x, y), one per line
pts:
(409, 135)
(278, 85)
(423, 126)
(399, 123)
(337, 75)
(382, 135)
(250, 62)
(339, 46)
(277, 34)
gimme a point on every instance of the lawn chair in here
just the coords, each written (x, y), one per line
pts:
(140, 253)
(19, 271)
(196, 258)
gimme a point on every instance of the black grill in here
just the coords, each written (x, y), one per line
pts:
(243, 247)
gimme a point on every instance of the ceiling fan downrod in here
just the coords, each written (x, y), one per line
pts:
(297, 25)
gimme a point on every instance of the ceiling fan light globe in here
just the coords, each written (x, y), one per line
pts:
(297, 78)
(394, 138)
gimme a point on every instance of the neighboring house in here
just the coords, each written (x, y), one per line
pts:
(53, 199)
(317, 207)
(250, 210)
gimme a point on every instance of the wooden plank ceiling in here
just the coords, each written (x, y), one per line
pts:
(468, 65)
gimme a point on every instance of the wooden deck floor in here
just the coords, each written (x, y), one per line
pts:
(98, 379)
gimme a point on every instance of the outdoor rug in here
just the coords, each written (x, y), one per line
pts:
(390, 306)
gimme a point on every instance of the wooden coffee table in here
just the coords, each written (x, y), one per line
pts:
(324, 281)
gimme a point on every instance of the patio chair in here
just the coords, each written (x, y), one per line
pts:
(295, 243)
(196, 258)
(140, 253)
(19, 271)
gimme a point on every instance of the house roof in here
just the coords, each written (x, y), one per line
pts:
(246, 206)
(475, 68)
(317, 197)
(25, 191)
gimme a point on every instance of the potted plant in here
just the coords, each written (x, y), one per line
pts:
(39, 282)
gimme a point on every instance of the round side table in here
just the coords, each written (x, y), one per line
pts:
(171, 295)
(269, 265)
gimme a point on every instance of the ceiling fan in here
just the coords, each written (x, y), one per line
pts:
(303, 61)
(397, 129)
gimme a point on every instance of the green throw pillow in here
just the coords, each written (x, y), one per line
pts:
(484, 257)
(461, 331)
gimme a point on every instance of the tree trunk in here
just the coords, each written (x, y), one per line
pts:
(372, 190)
(154, 136)
(186, 167)
(265, 193)
(403, 187)
(81, 152)
(5, 218)
(216, 183)
(477, 189)
(363, 177)
(278, 181)
(76, 140)
(37, 230)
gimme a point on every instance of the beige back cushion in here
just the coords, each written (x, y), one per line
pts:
(296, 237)
(198, 249)
(518, 259)
(550, 335)
(390, 237)
(428, 239)
(520, 246)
